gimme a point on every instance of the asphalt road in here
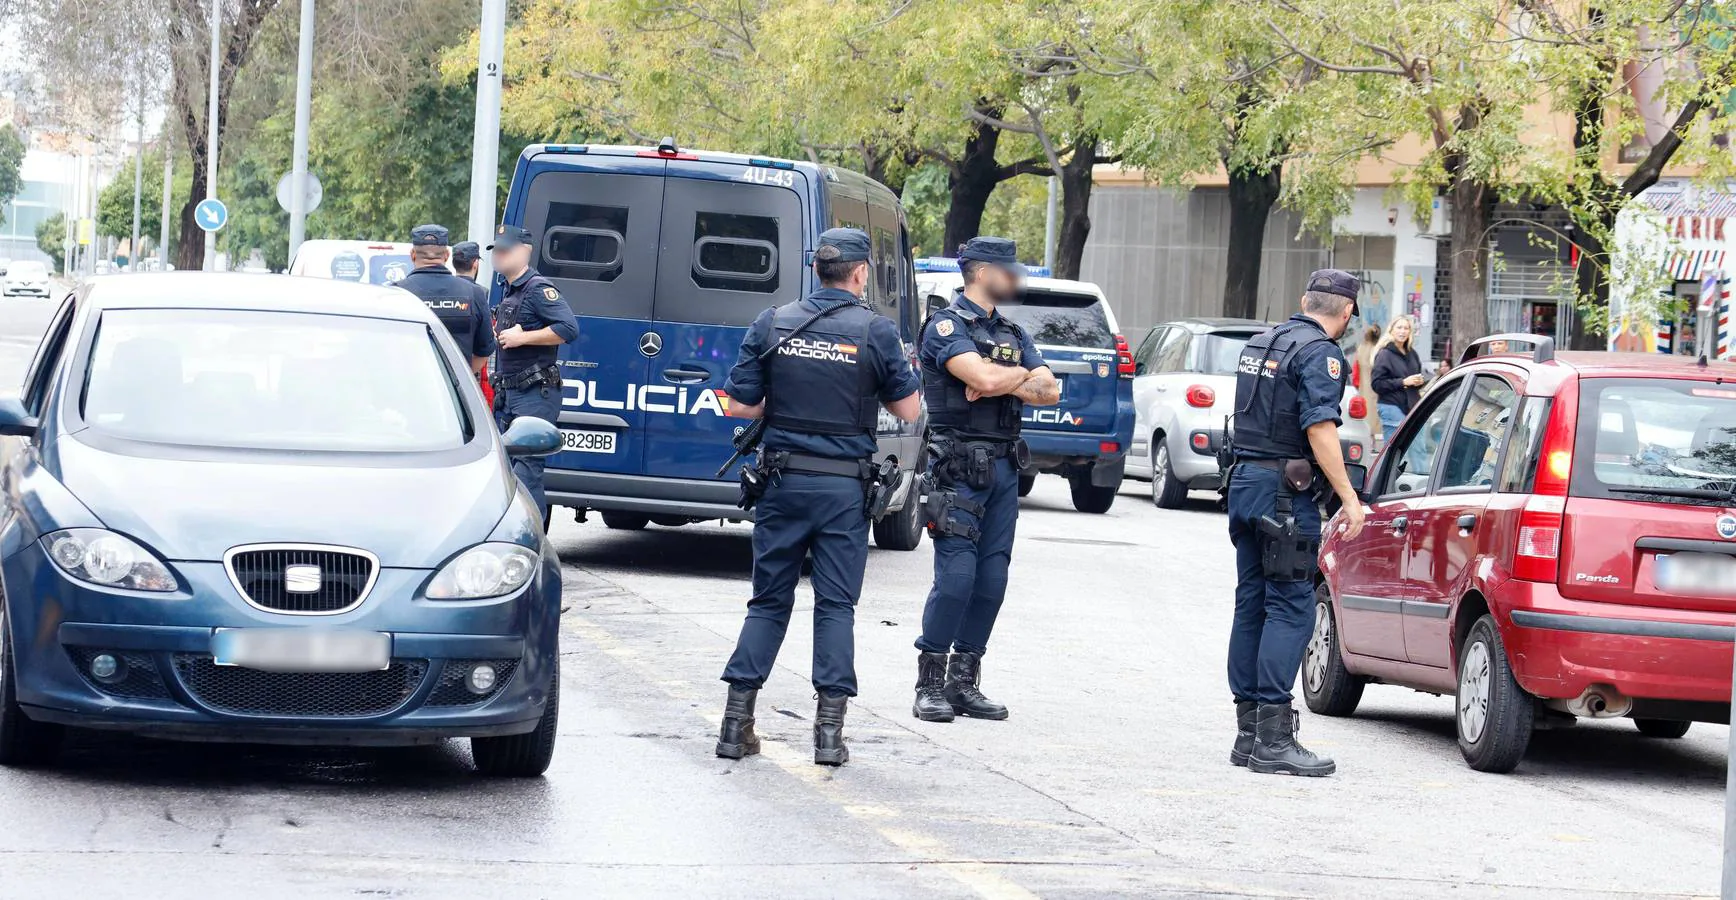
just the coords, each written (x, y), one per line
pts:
(1109, 779)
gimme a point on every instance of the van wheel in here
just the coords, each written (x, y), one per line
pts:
(1661, 728)
(1167, 491)
(23, 742)
(1026, 482)
(523, 755)
(1494, 713)
(1090, 498)
(625, 521)
(1329, 687)
(903, 529)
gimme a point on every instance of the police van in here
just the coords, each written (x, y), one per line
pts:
(375, 262)
(666, 255)
(1085, 437)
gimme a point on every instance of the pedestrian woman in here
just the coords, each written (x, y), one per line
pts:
(1398, 374)
(1364, 372)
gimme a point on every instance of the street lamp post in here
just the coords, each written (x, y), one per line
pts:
(211, 134)
(485, 142)
(138, 184)
(303, 111)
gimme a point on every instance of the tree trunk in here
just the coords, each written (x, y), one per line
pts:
(970, 180)
(1468, 276)
(1591, 279)
(1075, 207)
(1252, 194)
(190, 248)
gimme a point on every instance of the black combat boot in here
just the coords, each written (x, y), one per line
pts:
(829, 749)
(1244, 732)
(1276, 749)
(737, 739)
(961, 688)
(931, 705)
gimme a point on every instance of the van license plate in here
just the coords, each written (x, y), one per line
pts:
(1697, 573)
(588, 441)
(302, 649)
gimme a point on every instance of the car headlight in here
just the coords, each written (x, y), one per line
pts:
(105, 558)
(485, 570)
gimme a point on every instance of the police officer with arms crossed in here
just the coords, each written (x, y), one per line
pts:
(1289, 381)
(818, 371)
(531, 324)
(461, 305)
(978, 372)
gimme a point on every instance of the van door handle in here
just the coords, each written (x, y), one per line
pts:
(684, 374)
(1400, 524)
(1466, 523)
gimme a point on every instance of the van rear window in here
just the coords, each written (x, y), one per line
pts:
(735, 252)
(1656, 439)
(584, 241)
(1062, 319)
(742, 250)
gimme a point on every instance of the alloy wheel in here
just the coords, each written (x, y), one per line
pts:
(1159, 471)
(1319, 648)
(1474, 687)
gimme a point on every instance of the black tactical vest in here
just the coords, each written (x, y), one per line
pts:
(448, 297)
(1267, 424)
(519, 306)
(989, 418)
(822, 381)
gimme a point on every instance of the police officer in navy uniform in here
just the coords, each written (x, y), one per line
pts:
(818, 371)
(461, 305)
(979, 370)
(1289, 383)
(531, 324)
(466, 260)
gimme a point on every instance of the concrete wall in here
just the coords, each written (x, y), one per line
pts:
(1159, 254)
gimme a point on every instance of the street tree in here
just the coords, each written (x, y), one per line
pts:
(51, 238)
(11, 165)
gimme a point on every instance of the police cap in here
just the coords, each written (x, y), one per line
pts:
(1335, 281)
(429, 236)
(510, 236)
(851, 245)
(997, 250)
(465, 252)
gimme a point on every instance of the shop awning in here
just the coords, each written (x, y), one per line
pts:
(1691, 265)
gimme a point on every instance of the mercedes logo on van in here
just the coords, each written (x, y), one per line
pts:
(1727, 527)
(650, 344)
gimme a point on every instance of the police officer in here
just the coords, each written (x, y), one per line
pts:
(531, 324)
(461, 305)
(979, 370)
(1289, 381)
(818, 371)
(466, 260)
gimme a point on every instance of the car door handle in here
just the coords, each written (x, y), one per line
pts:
(1162, 387)
(1466, 523)
(1400, 524)
(684, 374)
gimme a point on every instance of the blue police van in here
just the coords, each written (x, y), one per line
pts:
(666, 255)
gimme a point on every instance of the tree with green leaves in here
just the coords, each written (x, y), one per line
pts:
(11, 165)
(51, 238)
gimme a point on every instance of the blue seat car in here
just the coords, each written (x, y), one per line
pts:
(666, 255)
(268, 509)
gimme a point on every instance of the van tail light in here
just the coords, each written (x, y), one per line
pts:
(1123, 358)
(1359, 407)
(1537, 546)
(1201, 397)
(1356, 375)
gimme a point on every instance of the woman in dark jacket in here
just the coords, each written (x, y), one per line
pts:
(1398, 374)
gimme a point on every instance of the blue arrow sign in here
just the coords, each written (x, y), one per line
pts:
(211, 214)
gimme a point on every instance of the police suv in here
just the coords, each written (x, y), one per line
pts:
(666, 256)
(1084, 437)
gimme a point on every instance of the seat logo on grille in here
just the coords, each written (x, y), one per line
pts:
(301, 579)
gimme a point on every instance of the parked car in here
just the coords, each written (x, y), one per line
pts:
(667, 255)
(1184, 391)
(247, 508)
(26, 277)
(374, 262)
(1551, 536)
(1083, 438)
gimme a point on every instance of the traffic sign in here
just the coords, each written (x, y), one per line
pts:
(211, 214)
(314, 192)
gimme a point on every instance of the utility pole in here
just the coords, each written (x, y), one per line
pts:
(303, 112)
(485, 142)
(168, 191)
(211, 134)
(1049, 226)
(134, 254)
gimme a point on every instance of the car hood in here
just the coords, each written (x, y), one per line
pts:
(195, 509)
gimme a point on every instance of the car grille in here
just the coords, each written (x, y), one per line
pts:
(140, 682)
(251, 692)
(259, 574)
(451, 690)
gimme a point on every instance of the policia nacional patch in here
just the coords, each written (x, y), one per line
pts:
(943, 327)
(1333, 368)
(550, 293)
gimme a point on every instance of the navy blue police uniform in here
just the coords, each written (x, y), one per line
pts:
(1288, 379)
(975, 455)
(459, 303)
(527, 380)
(465, 255)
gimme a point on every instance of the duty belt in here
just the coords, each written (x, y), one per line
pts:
(809, 464)
(550, 374)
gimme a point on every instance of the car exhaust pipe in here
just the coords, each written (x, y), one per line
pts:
(1600, 701)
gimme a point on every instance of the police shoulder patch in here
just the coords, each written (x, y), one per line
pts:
(943, 326)
(1334, 367)
(550, 293)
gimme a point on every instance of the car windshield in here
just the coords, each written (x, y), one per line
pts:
(270, 381)
(1217, 353)
(1062, 319)
(1665, 434)
(27, 270)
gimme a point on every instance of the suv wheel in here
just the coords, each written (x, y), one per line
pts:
(1661, 728)
(23, 742)
(625, 521)
(1494, 713)
(1329, 687)
(523, 755)
(1088, 497)
(903, 529)
(1026, 482)
(1167, 491)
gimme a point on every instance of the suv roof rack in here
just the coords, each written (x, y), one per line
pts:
(1542, 347)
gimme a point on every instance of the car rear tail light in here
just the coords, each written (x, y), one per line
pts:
(1123, 358)
(1358, 407)
(1355, 454)
(1109, 447)
(1356, 375)
(1201, 397)
(1201, 441)
(1537, 546)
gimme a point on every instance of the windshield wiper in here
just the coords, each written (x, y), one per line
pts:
(1690, 493)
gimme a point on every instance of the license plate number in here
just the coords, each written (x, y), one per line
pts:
(302, 649)
(1697, 573)
(588, 441)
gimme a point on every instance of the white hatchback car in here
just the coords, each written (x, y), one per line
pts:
(26, 277)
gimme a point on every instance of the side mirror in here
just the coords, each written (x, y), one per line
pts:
(1358, 478)
(531, 436)
(14, 420)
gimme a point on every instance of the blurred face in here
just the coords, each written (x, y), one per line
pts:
(511, 259)
(1001, 284)
(1401, 331)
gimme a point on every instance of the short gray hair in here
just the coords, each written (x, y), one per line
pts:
(1322, 303)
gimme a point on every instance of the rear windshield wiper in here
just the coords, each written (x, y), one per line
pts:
(1689, 493)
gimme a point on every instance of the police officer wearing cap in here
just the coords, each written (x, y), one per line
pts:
(817, 371)
(466, 260)
(461, 305)
(531, 324)
(1286, 457)
(979, 370)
